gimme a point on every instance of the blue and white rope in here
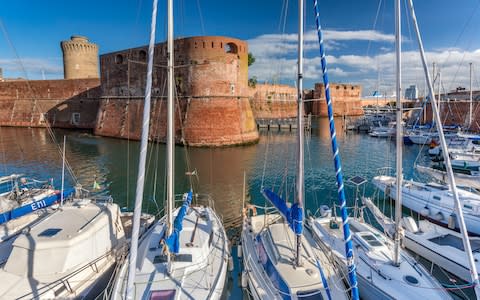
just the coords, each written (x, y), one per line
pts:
(338, 166)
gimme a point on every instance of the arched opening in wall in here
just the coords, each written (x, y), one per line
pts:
(142, 55)
(231, 48)
(118, 59)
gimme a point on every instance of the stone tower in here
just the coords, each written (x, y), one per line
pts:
(80, 58)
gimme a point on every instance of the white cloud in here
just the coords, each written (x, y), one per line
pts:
(276, 60)
(34, 67)
(286, 44)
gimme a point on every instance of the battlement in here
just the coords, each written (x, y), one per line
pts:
(204, 66)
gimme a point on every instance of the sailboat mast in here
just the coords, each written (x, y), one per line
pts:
(300, 127)
(439, 96)
(142, 160)
(451, 178)
(170, 118)
(471, 100)
(399, 138)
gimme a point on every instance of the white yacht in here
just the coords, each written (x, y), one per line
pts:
(434, 201)
(281, 260)
(67, 254)
(378, 276)
(185, 258)
(268, 246)
(467, 173)
(439, 245)
(20, 195)
(197, 271)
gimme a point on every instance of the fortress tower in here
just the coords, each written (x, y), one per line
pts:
(211, 80)
(80, 58)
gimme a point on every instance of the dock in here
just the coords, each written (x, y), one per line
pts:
(280, 124)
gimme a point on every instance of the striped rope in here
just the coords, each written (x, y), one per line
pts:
(338, 166)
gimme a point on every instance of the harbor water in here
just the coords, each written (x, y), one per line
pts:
(112, 164)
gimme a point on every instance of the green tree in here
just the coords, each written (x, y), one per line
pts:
(251, 59)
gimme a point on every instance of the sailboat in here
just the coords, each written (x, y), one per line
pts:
(66, 254)
(434, 201)
(383, 269)
(185, 258)
(441, 246)
(467, 172)
(20, 196)
(280, 259)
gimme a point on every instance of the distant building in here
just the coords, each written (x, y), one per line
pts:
(411, 93)
(1, 74)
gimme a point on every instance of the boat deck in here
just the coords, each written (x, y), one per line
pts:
(197, 272)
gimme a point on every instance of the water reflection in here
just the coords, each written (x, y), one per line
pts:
(270, 163)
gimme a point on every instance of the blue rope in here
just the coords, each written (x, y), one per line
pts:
(338, 166)
(324, 281)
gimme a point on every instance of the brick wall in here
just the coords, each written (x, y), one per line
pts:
(64, 103)
(272, 101)
(345, 100)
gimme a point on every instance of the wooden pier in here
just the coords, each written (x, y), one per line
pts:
(280, 124)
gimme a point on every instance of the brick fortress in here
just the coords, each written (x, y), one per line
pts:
(211, 79)
(215, 106)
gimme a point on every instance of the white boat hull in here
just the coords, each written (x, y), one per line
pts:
(460, 179)
(375, 272)
(440, 259)
(436, 205)
(67, 254)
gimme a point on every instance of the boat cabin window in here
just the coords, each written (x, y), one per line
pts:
(455, 241)
(467, 206)
(162, 295)
(177, 258)
(371, 240)
(310, 295)
(437, 198)
(50, 232)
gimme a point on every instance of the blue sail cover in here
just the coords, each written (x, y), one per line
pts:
(33, 206)
(293, 214)
(173, 241)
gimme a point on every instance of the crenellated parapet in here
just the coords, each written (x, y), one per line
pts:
(346, 100)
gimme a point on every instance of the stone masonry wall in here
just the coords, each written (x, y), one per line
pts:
(211, 77)
(64, 103)
(455, 113)
(272, 101)
(345, 100)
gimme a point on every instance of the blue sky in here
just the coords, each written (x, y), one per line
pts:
(359, 41)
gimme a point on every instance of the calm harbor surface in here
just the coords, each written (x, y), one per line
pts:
(271, 163)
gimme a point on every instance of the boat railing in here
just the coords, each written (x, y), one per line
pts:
(64, 282)
(82, 193)
(384, 171)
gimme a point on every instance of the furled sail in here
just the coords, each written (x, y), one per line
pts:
(173, 241)
(293, 214)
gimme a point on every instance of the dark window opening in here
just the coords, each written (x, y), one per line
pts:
(231, 48)
(119, 59)
(142, 55)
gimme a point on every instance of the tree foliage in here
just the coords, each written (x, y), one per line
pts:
(251, 59)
